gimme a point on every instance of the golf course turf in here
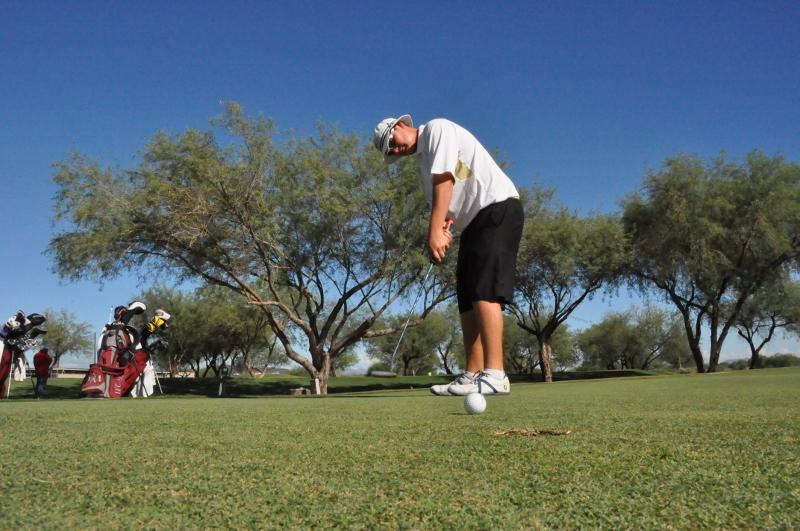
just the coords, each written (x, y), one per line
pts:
(677, 451)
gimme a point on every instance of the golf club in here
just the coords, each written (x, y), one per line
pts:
(410, 313)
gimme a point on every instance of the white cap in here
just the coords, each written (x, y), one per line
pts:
(382, 133)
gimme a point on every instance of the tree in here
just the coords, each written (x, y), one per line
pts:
(709, 236)
(660, 338)
(209, 328)
(419, 351)
(774, 306)
(318, 233)
(565, 349)
(344, 361)
(182, 334)
(451, 350)
(605, 345)
(563, 260)
(522, 348)
(67, 335)
(635, 339)
(521, 354)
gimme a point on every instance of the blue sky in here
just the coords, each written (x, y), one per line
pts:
(584, 97)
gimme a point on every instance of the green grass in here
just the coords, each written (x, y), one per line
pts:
(240, 387)
(689, 451)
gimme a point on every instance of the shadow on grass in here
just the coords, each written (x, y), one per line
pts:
(244, 387)
(579, 375)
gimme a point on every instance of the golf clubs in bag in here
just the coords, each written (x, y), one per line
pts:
(124, 353)
(19, 333)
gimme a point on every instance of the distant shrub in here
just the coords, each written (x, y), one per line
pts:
(736, 365)
(781, 360)
(769, 362)
(378, 366)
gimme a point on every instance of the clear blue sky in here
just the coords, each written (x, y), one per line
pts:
(581, 96)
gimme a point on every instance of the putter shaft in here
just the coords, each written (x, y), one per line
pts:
(413, 307)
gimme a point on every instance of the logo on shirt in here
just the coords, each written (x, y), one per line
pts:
(462, 172)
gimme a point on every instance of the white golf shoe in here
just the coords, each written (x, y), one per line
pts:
(484, 384)
(443, 389)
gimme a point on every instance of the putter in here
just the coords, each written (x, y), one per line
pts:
(411, 312)
(447, 225)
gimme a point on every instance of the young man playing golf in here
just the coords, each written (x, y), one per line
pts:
(466, 188)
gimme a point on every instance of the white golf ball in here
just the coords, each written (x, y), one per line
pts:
(475, 403)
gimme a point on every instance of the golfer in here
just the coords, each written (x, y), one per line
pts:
(466, 188)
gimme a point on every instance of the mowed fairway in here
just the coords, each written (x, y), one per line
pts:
(716, 450)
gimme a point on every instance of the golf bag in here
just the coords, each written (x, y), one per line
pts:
(124, 354)
(19, 333)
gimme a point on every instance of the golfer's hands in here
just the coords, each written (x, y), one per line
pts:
(439, 241)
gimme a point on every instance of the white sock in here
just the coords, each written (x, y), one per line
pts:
(470, 375)
(497, 374)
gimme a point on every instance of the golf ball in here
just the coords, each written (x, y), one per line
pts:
(475, 403)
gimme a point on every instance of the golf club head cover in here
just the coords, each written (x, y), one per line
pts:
(137, 307)
(159, 320)
(12, 324)
(119, 313)
(35, 319)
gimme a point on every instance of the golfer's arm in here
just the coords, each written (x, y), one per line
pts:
(442, 192)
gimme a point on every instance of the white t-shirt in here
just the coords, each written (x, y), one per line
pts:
(444, 146)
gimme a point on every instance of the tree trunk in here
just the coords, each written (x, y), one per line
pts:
(755, 354)
(323, 372)
(694, 347)
(546, 360)
(713, 352)
(444, 355)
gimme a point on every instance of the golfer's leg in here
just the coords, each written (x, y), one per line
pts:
(472, 342)
(489, 317)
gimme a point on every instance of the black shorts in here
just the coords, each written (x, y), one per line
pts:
(487, 255)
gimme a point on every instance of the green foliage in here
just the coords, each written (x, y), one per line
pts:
(773, 307)
(316, 232)
(344, 361)
(211, 327)
(768, 362)
(419, 351)
(642, 453)
(643, 339)
(521, 350)
(563, 260)
(521, 354)
(378, 366)
(781, 360)
(709, 235)
(67, 335)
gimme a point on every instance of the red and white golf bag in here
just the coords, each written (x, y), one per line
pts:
(123, 355)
